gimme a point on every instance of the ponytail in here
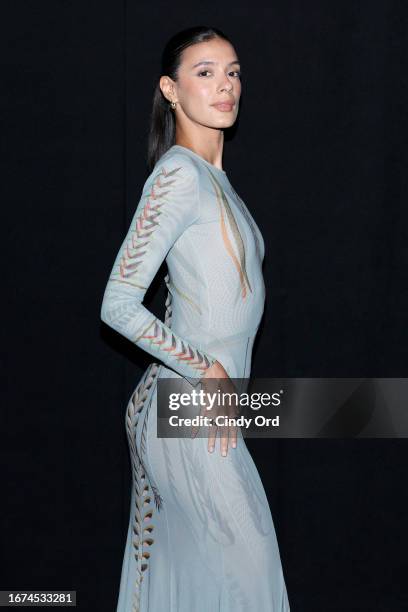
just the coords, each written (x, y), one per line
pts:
(162, 132)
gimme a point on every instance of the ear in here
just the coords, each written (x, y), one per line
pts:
(167, 88)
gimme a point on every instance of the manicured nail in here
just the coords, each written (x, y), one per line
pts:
(211, 448)
(224, 453)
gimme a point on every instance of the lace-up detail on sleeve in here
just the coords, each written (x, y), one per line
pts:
(168, 206)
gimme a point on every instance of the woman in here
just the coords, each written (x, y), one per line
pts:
(201, 536)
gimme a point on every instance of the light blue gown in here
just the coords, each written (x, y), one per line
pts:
(201, 536)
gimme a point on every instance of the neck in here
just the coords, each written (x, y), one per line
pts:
(211, 149)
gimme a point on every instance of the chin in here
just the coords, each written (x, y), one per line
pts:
(225, 121)
(218, 123)
(228, 123)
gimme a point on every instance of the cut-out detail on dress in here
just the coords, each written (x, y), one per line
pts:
(240, 265)
(143, 509)
(145, 224)
(251, 224)
(159, 338)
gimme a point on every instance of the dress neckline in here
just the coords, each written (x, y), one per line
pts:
(201, 158)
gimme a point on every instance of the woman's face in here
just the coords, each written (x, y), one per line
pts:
(209, 73)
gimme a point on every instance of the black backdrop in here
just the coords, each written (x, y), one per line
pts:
(319, 156)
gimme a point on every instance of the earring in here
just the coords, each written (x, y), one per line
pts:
(173, 104)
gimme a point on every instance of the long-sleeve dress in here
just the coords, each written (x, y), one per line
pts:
(201, 536)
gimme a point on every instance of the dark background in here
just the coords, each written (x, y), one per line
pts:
(320, 158)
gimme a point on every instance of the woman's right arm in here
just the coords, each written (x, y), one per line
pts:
(168, 206)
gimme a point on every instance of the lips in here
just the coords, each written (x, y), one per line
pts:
(225, 106)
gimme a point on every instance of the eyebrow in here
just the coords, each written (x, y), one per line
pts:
(205, 62)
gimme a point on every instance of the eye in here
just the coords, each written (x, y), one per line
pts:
(237, 72)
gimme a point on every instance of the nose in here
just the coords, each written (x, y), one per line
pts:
(226, 85)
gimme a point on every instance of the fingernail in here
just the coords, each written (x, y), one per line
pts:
(234, 445)
(211, 449)
(224, 453)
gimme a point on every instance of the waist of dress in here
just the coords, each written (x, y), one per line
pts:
(204, 336)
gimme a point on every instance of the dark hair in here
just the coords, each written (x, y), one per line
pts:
(162, 119)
